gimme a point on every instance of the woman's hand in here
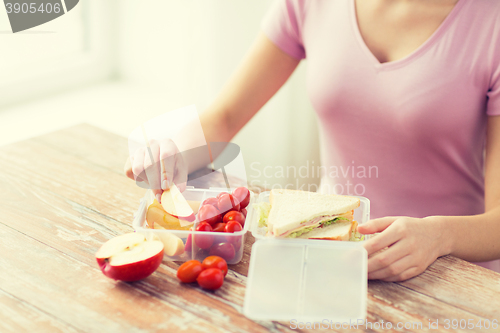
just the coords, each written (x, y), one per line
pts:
(145, 166)
(412, 245)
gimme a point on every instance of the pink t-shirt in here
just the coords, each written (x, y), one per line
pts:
(408, 134)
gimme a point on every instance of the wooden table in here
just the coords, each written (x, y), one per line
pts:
(64, 194)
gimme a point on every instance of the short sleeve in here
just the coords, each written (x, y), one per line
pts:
(283, 26)
(493, 104)
(493, 94)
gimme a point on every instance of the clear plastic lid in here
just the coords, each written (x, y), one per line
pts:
(306, 281)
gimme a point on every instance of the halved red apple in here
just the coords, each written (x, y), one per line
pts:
(130, 257)
(175, 204)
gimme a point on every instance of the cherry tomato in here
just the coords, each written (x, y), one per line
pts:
(209, 214)
(189, 271)
(233, 226)
(221, 193)
(204, 226)
(210, 201)
(211, 279)
(244, 211)
(188, 247)
(215, 262)
(219, 227)
(235, 240)
(234, 216)
(202, 254)
(223, 250)
(204, 241)
(227, 203)
(242, 194)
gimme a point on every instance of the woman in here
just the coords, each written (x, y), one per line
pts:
(411, 87)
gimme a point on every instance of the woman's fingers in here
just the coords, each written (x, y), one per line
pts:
(388, 257)
(152, 165)
(157, 194)
(181, 173)
(376, 225)
(167, 155)
(138, 166)
(397, 267)
(383, 240)
(128, 168)
(405, 275)
(159, 165)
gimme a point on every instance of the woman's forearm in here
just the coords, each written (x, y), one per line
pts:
(261, 74)
(472, 238)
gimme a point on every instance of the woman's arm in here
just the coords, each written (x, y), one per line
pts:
(413, 244)
(475, 238)
(261, 74)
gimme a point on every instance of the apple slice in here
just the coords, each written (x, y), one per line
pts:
(130, 257)
(175, 204)
(195, 205)
(157, 218)
(173, 245)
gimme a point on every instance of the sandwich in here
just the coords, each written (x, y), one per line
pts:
(309, 215)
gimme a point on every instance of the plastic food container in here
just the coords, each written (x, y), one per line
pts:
(307, 281)
(236, 240)
(361, 215)
(301, 280)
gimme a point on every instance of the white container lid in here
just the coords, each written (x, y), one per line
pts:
(306, 281)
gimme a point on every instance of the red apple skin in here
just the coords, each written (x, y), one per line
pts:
(188, 247)
(189, 218)
(133, 271)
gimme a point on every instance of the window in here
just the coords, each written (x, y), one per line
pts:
(70, 51)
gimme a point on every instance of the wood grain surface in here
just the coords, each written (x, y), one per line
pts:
(62, 195)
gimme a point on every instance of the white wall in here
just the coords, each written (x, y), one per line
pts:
(185, 50)
(169, 54)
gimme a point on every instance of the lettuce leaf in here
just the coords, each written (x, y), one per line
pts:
(337, 219)
(300, 232)
(326, 223)
(262, 209)
(356, 236)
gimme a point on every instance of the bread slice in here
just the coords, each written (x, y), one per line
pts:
(290, 208)
(338, 231)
